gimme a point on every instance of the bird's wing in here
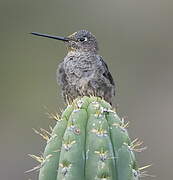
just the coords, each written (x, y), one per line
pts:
(61, 76)
(107, 74)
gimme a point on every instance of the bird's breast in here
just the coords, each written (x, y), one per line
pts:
(78, 65)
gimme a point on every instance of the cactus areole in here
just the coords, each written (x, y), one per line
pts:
(89, 142)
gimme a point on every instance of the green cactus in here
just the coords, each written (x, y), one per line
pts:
(89, 142)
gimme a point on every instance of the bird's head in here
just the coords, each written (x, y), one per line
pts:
(81, 40)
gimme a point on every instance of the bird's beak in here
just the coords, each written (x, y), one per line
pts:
(52, 37)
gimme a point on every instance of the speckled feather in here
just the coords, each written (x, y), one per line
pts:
(83, 72)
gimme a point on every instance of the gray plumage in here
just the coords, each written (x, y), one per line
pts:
(83, 72)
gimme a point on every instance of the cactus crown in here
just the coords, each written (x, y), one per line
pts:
(89, 142)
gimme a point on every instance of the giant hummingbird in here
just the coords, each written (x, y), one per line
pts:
(83, 72)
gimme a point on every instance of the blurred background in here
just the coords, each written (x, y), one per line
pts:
(136, 40)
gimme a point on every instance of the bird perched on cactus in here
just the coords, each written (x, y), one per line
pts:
(89, 140)
(83, 72)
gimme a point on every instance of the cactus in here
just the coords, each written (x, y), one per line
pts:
(89, 142)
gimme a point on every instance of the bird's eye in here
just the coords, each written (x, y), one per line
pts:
(83, 39)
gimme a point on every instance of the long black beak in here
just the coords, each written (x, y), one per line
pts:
(50, 36)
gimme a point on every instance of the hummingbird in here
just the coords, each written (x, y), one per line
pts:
(83, 72)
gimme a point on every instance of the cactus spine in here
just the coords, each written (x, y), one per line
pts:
(89, 142)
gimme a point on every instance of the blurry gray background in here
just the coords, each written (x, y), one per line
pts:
(136, 39)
